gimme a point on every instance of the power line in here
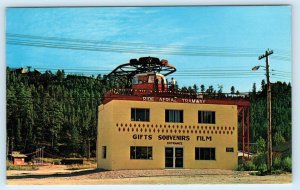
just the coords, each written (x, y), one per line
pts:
(137, 43)
(92, 45)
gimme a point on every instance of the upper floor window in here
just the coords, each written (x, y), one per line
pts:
(207, 117)
(174, 116)
(140, 114)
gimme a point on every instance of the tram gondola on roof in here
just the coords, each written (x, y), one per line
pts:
(146, 74)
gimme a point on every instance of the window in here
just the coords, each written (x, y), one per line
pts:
(206, 117)
(229, 149)
(141, 152)
(174, 116)
(205, 153)
(140, 114)
(104, 152)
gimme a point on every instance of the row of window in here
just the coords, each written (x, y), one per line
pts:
(173, 116)
(145, 153)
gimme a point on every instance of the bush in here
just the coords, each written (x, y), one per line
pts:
(261, 145)
(287, 164)
(278, 138)
(277, 164)
(260, 159)
(10, 166)
(262, 169)
(249, 166)
(240, 167)
(81, 166)
(54, 161)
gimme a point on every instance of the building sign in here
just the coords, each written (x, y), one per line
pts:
(142, 137)
(204, 138)
(175, 143)
(178, 100)
(171, 137)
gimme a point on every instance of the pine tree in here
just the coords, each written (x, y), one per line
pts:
(232, 90)
(202, 87)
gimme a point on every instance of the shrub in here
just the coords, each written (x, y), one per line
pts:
(278, 138)
(287, 164)
(249, 166)
(81, 166)
(10, 166)
(262, 169)
(261, 145)
(54, 161)
(240, 167)
(277, 163)
(260, 159)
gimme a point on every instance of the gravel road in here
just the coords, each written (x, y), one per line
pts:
(58, 175)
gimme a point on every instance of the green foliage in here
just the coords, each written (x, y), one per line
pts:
(277, 163)
(260, 160)
(249, 166)
(55, 161)
(262, 169)
(240, 167)
(54, 111)
(278, 138)
(10, 166)
(281, 112)
(261, 145)
(202, 88)
(287, 164)
(82, 166)
(232, 90)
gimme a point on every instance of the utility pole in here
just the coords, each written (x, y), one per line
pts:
(269, 108)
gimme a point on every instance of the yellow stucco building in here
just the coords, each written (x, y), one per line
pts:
(153, 125)
(157, 133)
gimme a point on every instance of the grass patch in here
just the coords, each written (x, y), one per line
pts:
(10, 166)
(82, 166)
(55, 161)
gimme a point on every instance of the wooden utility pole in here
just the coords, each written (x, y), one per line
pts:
(269, 108)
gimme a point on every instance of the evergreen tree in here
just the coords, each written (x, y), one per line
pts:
(232, 90)
(202, 87)
(195, 88)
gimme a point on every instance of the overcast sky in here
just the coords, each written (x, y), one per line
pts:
(208, 45)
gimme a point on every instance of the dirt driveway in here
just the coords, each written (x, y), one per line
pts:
(60, 175)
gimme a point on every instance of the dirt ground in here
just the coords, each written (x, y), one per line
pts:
(60, 175)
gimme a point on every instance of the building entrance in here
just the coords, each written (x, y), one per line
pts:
(173, 157)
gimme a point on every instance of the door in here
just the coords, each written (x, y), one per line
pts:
(178, 157)
(173, 157)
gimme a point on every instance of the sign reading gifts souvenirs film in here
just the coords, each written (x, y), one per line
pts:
(171, 137)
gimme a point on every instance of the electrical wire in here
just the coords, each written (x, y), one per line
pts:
(91, 45)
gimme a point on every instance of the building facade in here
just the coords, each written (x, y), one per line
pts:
(136, 132)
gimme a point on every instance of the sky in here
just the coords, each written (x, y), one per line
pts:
(210, 45)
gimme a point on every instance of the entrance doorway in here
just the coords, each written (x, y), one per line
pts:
(173, 157)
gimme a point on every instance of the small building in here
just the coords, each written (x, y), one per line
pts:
(18, 158)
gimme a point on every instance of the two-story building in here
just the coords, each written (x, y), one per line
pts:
(143, 129)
